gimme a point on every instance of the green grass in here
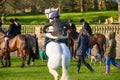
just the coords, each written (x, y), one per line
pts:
(40, 72)
(39, 18)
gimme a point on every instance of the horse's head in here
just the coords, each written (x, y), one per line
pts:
(49, 11)
(2, 34)
(72, 34)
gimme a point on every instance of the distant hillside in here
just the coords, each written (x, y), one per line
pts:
(91, 17)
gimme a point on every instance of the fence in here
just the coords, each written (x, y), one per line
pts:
(31, 29)
(103, 29)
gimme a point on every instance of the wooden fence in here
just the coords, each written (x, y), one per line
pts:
(103, 29)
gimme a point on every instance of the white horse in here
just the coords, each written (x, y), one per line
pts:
(59, 56)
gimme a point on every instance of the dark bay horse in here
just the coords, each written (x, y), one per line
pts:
(33, 41)
(96, 38)
(18, 43)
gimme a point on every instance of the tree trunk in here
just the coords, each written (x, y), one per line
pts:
(119, 11)
(81, 6)
(95, 4)
(59, 6)
(101, 5)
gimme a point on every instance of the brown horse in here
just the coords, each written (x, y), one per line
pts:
(96, 38)
(19, 43)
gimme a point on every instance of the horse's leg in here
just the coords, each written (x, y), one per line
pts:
(33, 56)
(54, 73)
(64, 69)
(23, 57)
(8, 60)
(75, 51)
(71, 51)
(2, 61)
(91, 60)
(22, 61)
(29, 58)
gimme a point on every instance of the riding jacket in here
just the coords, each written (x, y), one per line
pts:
(111, 46)
(72, 27)
(12, 31)
(19, 28)
(82, 44)
(58, 27)
(87, 27)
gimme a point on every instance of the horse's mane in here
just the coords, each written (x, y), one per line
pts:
(73, 34)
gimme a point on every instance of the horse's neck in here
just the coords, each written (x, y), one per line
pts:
(2, 35)
(50, 29)
(74, 35)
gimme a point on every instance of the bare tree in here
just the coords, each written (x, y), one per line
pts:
(2, 11)
(2, 6)
(81, 5)
(101, 5)
(94, 4)
(119, 11)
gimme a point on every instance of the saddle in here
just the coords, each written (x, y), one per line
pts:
(7, 43)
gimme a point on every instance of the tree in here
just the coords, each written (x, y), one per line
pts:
(2, 11)
(101, 5)
(94, 5)
(119, 11)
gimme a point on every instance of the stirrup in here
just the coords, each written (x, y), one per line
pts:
(6, 49)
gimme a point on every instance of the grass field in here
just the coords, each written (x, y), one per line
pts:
(40, 18)
(40, 72)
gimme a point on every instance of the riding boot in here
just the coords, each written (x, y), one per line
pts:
(66, 41)
(6, 45)
(118, 66)
(107, 70)
(90, 68)
(78, 67)
(45, 43)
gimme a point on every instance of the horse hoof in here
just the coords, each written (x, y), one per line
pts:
(27, 64)
(9, 65)
(32, 64)
(22, 66)
(2, 66)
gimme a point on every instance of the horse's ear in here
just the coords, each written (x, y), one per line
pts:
(57, 9)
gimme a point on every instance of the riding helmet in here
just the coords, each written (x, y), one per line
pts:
(11, 20)
(54, 15)
(70, 21)
(82, 20)
(0, 23)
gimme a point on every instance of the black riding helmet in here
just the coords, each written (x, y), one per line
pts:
(82, 20)
(11, 20)
(16, 19)
(0, 23)
(70, 21)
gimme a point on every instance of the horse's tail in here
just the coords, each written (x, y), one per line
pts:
(37, 48)
(29, 49)
(64, 69)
